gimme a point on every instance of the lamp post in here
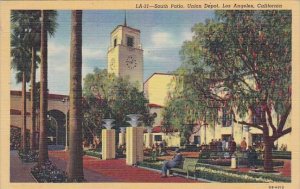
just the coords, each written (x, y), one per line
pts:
(66, 100)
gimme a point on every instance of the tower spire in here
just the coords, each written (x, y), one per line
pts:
(125, 22)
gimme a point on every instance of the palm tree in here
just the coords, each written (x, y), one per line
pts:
(47, 22)
(20, 62)
(28, 23)
(35, 38)
(75, 164)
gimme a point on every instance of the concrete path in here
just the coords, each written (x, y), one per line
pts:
(115, 170)
(19, 172)
(89, 175)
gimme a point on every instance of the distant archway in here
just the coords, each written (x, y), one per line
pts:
(56, 129)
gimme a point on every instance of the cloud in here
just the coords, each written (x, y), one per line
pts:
(57, 49)
(162, 40)
(92, 53)
(187, 35)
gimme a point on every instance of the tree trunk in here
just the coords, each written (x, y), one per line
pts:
(75, 164)
(43, 146)
(33, 102)
(24, 141)
(268, 164)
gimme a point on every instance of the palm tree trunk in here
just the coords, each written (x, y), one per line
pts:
(33, 102)
(43, 146)
(75, 164)
(24, 145)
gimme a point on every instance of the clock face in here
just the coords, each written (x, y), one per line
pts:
(131, 62)
(112, 64)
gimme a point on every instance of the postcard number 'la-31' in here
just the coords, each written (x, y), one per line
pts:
(145, 6)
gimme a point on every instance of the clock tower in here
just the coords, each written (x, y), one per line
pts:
(125, 54)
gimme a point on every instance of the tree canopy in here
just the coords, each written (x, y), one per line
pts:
(241, 60)
(108, 96)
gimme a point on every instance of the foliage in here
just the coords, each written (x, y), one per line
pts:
(227, 162)
(241, 61)
(48, 172)
(186, 110)
(108, 96)
(93, 153)
(15, 138)
(28, 156)
(25, 35)
(244, 59)
(282, 154)
(220, 174)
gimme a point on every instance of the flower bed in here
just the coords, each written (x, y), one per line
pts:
(29, 156)
(48, 173)
(15, 138)
(227, 162)
(220, 174)
(281, 154)
(93, 153)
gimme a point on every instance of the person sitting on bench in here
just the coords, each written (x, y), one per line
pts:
(176, 161)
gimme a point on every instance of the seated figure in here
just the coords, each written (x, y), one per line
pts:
(176, 161)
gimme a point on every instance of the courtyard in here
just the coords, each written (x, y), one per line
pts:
(116, 170)
(213, 107)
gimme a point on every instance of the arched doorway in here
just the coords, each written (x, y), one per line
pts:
(56, 129)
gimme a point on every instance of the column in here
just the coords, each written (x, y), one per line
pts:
(134, 145)
(108, 144)
(122, 136)
(149, 140)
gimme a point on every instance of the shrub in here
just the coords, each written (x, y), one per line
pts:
(48, 172)
(29, 156)
(93, 153)
(227, 162)
(221, 174)
(281, 154)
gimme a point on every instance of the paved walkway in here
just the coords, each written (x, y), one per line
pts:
(90, 175)
(116, 170)
(19, 172)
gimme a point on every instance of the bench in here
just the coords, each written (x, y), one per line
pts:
(241, 156)
(214, 155)
(188, 166)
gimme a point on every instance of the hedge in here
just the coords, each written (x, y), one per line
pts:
(221, 174)
(227, 162)
(93, 153)
(282, 154)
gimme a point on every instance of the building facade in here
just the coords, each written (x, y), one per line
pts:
(159, 85)
(125, 55)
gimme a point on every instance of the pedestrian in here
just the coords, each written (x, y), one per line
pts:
(252, 157)
(176, 161)
(243, 145)
(154, 153)
(211, 145)
(219, 145)
(232, 146)
(223, 144)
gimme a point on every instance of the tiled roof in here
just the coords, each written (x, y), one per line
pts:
(155, 105)
(50, 96)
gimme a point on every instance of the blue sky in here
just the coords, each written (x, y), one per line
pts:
(162, 34)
